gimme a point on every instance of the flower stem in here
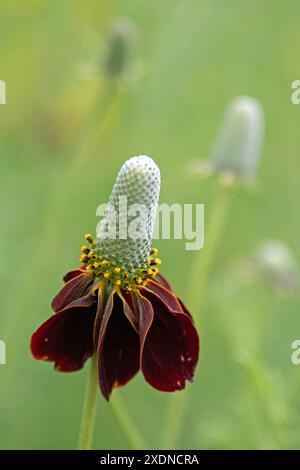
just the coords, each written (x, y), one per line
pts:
(127, 426)
(197, 287)
(89, 408)
(205, 258)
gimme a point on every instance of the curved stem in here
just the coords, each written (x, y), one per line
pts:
(130, 432)
(89, 408)
(204, 259)
(203, 263)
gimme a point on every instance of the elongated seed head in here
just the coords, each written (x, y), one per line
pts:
(125, 233)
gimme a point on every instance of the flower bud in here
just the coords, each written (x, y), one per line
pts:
(238, 145)
(134, 199)
(277, 264)
(119, 47)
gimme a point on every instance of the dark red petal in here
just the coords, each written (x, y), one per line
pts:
(129, 310)
(165, 295)
(146, 315)
(72, 290)
(160, 279)
(101, 299)
(183, 307)
(169, 345)
(168, 297)
(71, 274)
(66, 338)
(118, 348)
(83, 302)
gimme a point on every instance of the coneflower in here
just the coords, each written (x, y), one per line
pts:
(118, 305)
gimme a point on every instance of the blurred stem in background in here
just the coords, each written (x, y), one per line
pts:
(125, 423)
(234, 160)
(204, 260)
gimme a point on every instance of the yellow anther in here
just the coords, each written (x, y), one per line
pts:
(154, 271)
(96, 264)
(106, 274)
(139, 280)
(157, 261)
(150, 272)
(89, 267)
(89, 238)
(128, 288)
(118, 282)
(154, 252)
(117, 270)
(91, 254)
(105, 263)
(84, 249)
(83, 258)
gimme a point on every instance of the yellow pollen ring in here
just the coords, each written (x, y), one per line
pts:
(114, 275)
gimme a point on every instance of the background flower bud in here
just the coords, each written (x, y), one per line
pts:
(278, 265)
(119, 47)
(238, 145)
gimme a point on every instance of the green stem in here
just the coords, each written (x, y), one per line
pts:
(127, 426)
(95, 126)
(203, 263)
(89, 408)
(204, 259)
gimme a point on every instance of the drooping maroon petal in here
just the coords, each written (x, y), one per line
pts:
(168, 297)
(160, 279)
(145, 313)
(169, 344)
(101, 299)
(118, 347)
(66, 338)
(165, 295)
(129, 310)
(71, 274)
(83, 302)
(183, 307)
(72, 290)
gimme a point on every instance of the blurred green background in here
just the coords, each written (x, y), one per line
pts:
(64, 133)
